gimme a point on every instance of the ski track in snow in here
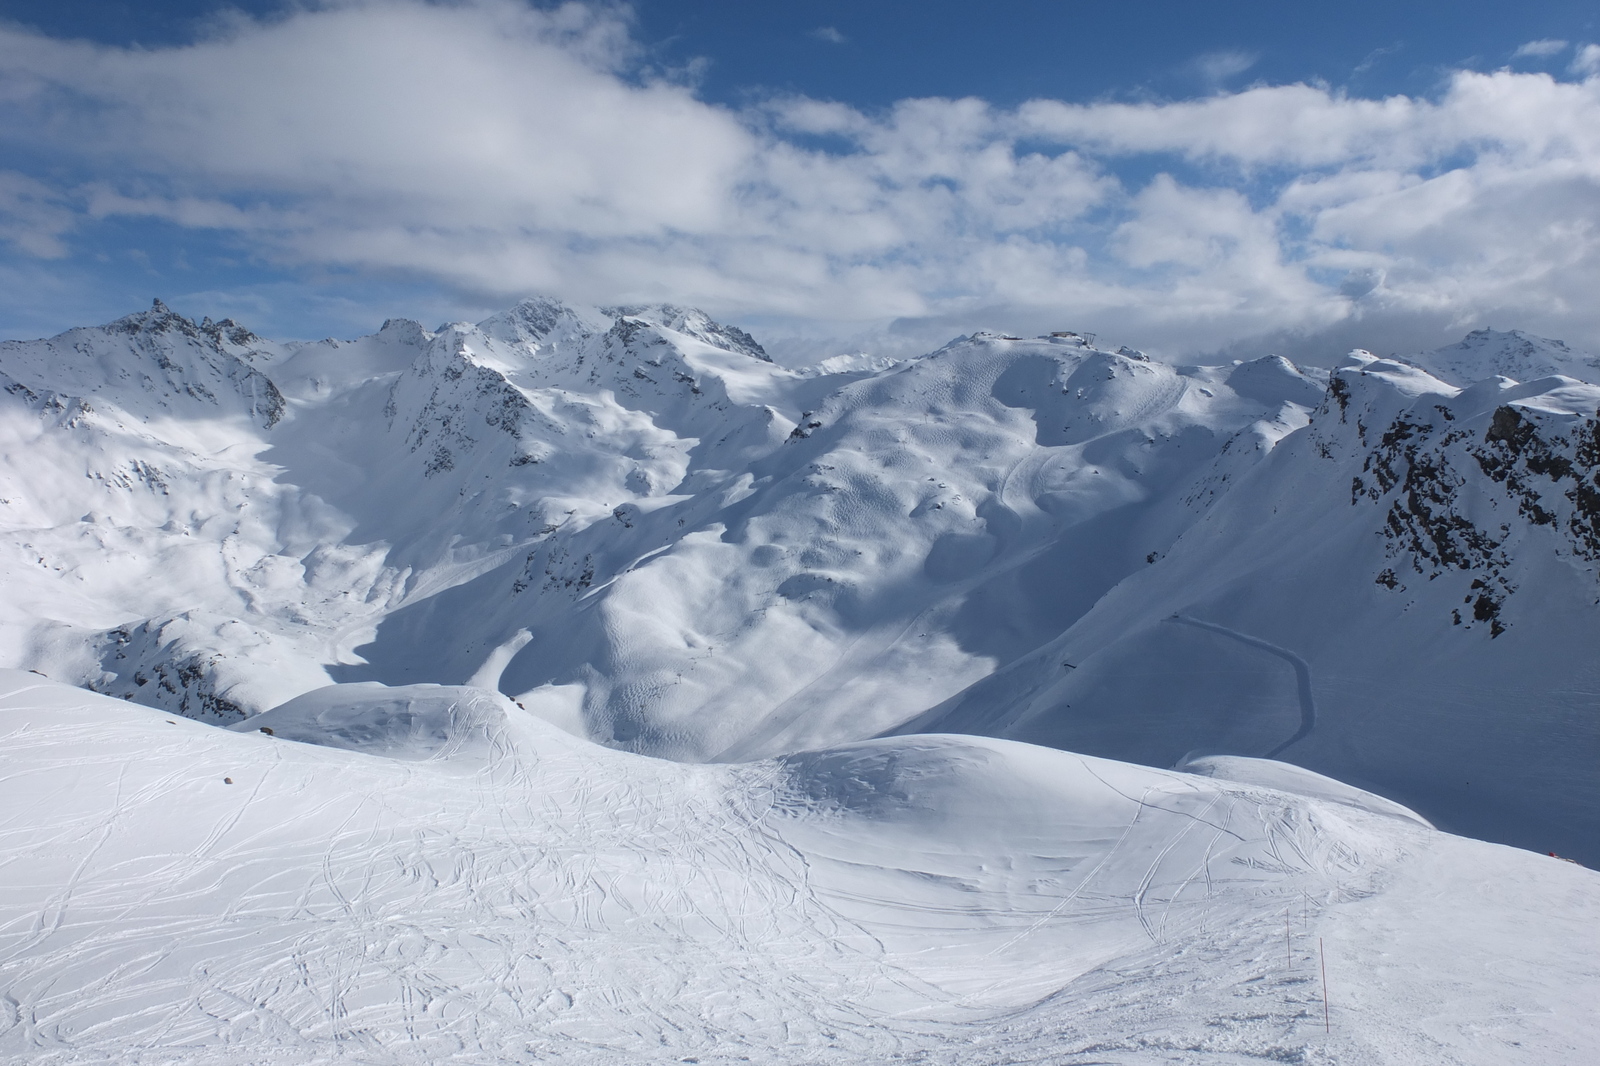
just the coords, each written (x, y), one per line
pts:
(1302, 677)
(418, 874)
(519, 896)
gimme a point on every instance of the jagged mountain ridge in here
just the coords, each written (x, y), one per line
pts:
(634, 523)
(149, 364)
(456, 404)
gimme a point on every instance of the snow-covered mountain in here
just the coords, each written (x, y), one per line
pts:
(635, 498)
(636, 525)
(448, 588)
(1514, 354)
(1404, 595)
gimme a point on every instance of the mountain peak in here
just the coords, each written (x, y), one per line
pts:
(694, 323)
(538, 319)
(403, 330)
(149, 362)
(158, 319)
(1512, 353)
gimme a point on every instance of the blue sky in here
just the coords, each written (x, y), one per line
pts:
(1188, 177)
(1005, 51)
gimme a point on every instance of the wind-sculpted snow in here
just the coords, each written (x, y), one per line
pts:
(400, 722)
(431, 875)
(1287, 777)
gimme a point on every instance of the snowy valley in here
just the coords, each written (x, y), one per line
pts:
(583, 685)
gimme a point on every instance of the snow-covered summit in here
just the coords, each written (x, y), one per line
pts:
(1513, 354)
(154, 363)
(540, 321)
(693, 323)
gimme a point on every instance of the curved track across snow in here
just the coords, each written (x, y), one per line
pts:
(1302, 677)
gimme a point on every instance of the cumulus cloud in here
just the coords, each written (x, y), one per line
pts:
(499, 149)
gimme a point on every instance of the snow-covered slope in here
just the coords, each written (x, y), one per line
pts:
(1403, 596)
(638, 527)
(180, 533)
(1520, 356)
(896, 541)
(1344, 603)
(147, 548)
(430, 874)
(622, 509)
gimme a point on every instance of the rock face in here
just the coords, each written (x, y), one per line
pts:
(634, 523)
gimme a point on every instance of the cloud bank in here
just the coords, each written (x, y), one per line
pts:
(499, 150)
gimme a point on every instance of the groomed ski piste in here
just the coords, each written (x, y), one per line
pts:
(582, 686)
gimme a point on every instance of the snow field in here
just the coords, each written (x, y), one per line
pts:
(494, 890)
(629, 524)
(1423, 579)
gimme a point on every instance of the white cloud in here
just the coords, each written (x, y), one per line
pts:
(1311, 127)
(1547, 46)
(34, 216)
(1372, 59)
(499, 149)
(1215, 68)
(1587, 62)
(829, 35)
(468, 115)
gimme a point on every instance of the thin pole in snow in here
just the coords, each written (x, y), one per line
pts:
(1325, 1026)
(1287, 950)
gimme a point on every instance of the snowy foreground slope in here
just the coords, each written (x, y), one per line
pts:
(633, 523)
(427, 874)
